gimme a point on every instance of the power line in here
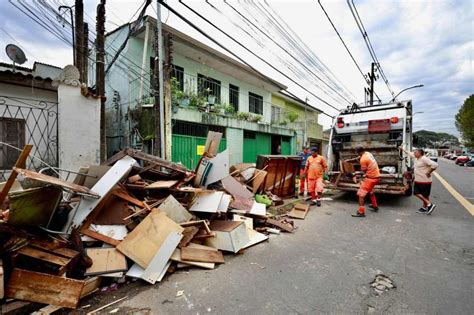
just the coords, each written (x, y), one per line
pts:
(240, 44)
(287, 52)
(363, 31)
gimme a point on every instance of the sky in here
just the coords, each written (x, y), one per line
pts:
(429, 42)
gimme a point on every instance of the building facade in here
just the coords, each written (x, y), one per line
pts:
(208, 90)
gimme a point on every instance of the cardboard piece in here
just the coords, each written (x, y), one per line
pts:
(207, 202)
(236, 189)
(105, 260)
(299, 211)
(201, 255)
(43, 288)
(219, 169)
(174, 210)
(141, 244)
(230, 236)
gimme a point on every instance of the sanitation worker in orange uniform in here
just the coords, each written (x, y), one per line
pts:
(369, 166)
(315, 168)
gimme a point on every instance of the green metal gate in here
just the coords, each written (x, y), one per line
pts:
(255, 143)
(285, 146)
(184, 149)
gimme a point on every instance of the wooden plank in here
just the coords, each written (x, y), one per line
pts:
(44, 256)
(43, 288)
(91, 285)
(212, 142)
(188, 235)
(162, 184)
(258, 179)
(156, 160)
(46, 179)
(224, 226)
(201, 255)
(125, 196)
(48, 309)
(100, 237)
(141, 244)
(20, 163)
(105, 260)
(235, 188)
(176, 257)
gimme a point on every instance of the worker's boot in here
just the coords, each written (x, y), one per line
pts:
(318, 202)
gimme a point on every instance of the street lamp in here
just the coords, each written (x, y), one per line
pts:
(408, 88)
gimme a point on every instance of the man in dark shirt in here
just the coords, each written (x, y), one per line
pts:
(305, 154)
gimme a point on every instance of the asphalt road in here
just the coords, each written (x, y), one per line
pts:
(326, 266)
(460, 177)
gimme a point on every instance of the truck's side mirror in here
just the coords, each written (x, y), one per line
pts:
(415, 140)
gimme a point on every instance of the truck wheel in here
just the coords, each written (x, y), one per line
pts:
(409, 191)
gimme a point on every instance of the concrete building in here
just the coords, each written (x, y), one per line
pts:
(208, 91)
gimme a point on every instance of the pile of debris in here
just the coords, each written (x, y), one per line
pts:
(137, 216)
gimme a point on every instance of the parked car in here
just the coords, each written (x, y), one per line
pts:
(453, 157)
(447, 156)
(432, 154)
(470, 163)
(463, 159)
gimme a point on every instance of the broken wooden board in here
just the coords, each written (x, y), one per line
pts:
(120, 169)
(212, 143)
(235, 188)
(105, 260)
(141, 244)
(43, 288)
(113, 212)
(116, 231)
(230, 236)
(258, 179)
(201, 255)
(188, 234)
(220, 168)
(162, 184)
(207, 202)
(174, 210)
(176, 257)
(299, 211)
(34, 206)
(282, 225)
(50, 180)
(20, 162)
(40, 256)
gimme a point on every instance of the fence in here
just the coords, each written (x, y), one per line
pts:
(27, 121)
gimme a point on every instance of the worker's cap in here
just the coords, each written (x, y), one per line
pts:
(359, 148)
(314, 149)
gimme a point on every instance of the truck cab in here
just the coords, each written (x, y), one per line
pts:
(381, 130)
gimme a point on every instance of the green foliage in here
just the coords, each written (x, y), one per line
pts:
(255, 118)
(430, 138)
(292, 116)
(243, 116)
(465, 121)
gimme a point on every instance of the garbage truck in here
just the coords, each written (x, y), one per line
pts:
(380, 129)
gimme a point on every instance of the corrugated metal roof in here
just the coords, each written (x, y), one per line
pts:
(40, 71)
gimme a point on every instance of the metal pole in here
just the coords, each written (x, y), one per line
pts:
(100, 75)
(79, 30)
(372, 80)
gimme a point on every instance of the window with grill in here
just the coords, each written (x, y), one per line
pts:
(209, 86)
(276, 114)
(12, 131)
(177, 72)
(234, 96)
(255, 103)
(196, 130)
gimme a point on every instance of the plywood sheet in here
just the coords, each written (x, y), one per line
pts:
(207, 202)
(177, 257)
(235, 188)
(219, 169)
(224, 204)
(224, 226)
(113, 212)
(201, 255)
(141, 244)
(212, 142)
(174, 210)
(299, 211)
(105, 260)
(258, 180)
(162, 184)
(43, 288)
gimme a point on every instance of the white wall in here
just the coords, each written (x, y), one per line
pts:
(79, 128)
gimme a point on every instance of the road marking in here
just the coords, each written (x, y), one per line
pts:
(463, 201)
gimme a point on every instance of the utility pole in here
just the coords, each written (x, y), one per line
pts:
(305, 137)
(79, 31)
(372, 80)
(85, 61)
(100, 75)
(159, 148)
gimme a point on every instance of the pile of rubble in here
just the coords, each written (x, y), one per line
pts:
(136, 216)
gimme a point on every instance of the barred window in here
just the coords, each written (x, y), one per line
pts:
(255, 103)
(177, 72)
(234, 96)
(12, 131)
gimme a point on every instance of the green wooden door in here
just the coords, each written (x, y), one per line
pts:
(285, 146)
(184, 149)
(255, 144)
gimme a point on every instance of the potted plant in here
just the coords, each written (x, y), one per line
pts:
(243, 116)
(292, 116)
(256, 118)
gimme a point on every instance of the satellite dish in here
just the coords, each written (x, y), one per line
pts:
(15, 54)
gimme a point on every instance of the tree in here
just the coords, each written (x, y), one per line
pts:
(465, 121)
(427, 139)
